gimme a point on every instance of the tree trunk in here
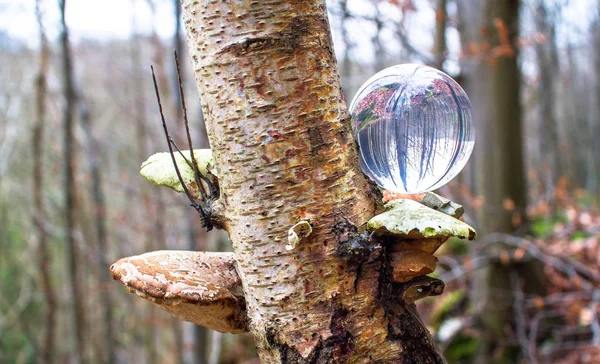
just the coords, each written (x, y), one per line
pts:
(493, 84)
(439, 40)
(346, 68)
(594, 127)
(492, 79)
(197, 336)
(379, 50)
(280, 135)
(549, 136)
(109, 344)
(70, 188)
(39, 216)
(152, 351)
(149, 205)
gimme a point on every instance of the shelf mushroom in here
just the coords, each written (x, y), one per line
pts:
(159, 170)
(200, 287)
(413, 232)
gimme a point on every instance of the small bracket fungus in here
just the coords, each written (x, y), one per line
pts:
(159, 170)
(298, 232)
(200, 287)
(187, 174)
(442, 204)
(421, 287)
(410, 263)
(412, 232)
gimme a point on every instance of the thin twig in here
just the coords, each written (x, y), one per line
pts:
(520, 316)
(169, 141)
(200, 175)
(566, 265)
(534, 329)
(187, 131)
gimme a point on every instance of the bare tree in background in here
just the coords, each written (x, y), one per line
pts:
(492, 79)
(149, 203)
(158, 231)
(47, 346)
(594, 127)
(379, 50)
(109, 342)
(439, 40)
(545, 18)
(69, 188)
(198, 335)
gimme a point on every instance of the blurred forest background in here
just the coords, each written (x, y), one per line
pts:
(78, 117)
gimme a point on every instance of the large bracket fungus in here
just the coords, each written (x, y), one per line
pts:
(200, 287)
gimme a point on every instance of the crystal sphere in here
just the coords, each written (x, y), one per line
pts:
(414, 128)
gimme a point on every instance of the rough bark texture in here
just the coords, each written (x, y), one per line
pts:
(281, 139)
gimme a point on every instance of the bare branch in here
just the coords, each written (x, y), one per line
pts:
(520, 315)
(194, 204)
(187, 130)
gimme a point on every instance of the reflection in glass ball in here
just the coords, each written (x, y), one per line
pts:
(414, 128)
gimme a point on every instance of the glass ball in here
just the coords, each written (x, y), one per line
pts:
(414, 128)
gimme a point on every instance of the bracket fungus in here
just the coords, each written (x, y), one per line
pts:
(298, 232)
(442, 204)
(159, 170)
(200, 287)
(421, 287)
(413, 232)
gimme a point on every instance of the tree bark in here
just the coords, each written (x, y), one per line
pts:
(70, 187)
(280, 135)
(39, 215)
